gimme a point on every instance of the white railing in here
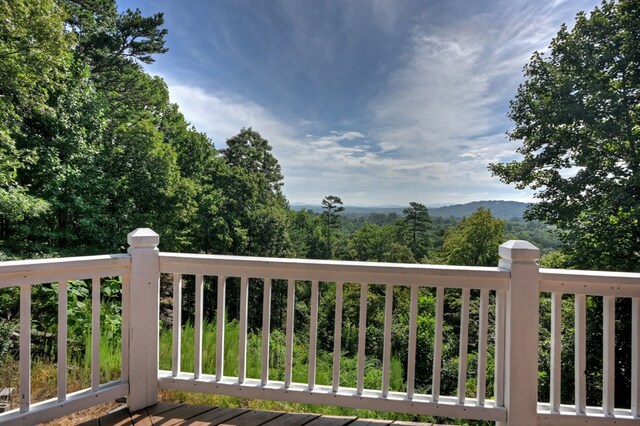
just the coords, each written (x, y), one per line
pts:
(510, 291)
(607, 286)
(319, 274)
(25, 274)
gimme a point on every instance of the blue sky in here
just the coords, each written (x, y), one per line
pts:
(379, 102)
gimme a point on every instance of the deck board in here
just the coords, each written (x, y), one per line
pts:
(331, 421)
(252, 418)
(170, 414)
(179, 415)
(372, 422)
(292, 419)
(214, 417)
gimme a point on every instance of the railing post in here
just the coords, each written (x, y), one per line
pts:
(144, 296)
(521, 332)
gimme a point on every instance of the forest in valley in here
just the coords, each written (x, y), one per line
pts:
(91, 147)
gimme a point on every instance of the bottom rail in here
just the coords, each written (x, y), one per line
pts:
(593, 416)
(345, 397)
(52, 408)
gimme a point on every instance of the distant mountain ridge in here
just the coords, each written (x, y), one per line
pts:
(501, 209)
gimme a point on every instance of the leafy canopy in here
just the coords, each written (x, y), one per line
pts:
(577, 116)
(474, 241)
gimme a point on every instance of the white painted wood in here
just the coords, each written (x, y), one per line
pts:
(566, 415)
(608, 354)
(67, 268)
(144, 318)
(220, 324)
(95, 333)
(313, 334)
(266, 329)
(580, 363)
(25, 347)
(500, 331)
(244, 312)
(197, 327)
(635, 357)
(333, 271)
(76, 401)
(177, 323)
(291, 306)
(347, 397)
(362, 335)
(521, 336)
(437, 345)
(411, 356)
(576, 276)
(464, 343)
(482, 347)
(556, 350)
(594, 283)
(62, 340)
(555, 419)
(337, 338)
(386, 355)
(592, 289)
(126, 324)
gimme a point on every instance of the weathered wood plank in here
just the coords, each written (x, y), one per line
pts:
(331, 421)
(179, 415)
(371, 422)
(215, 416)
(252, 418)
(143, 417)
(119, 417)
(174, 414)
(292, 419)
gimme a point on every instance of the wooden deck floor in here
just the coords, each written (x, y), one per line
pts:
(167, 414)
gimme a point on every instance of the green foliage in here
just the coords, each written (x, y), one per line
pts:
(6, 329)
(250, 152)
(417, 229)
(32, 64)
(331, 206)
(555, 259)
(474, 241)
(578, 120)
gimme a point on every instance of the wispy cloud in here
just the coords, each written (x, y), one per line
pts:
(434, 114)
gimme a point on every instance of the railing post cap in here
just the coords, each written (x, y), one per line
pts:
(143, 238)
(519, 251)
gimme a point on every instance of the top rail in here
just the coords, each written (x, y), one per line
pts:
(39, 271)
(595, 283)
(491, 278)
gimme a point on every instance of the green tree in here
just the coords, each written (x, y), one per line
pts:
(474, 241)
(34, 50)
(306, 234)
(577, 118)
(418, 228)
(373, 243)
(331, 206)
(253, 207)
(251, 152)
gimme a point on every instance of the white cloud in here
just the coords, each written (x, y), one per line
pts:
(342, 162)
(222, 115)
(438, 121)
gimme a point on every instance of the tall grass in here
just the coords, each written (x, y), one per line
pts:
(324, 360)
(324, 370)
(79, 373)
